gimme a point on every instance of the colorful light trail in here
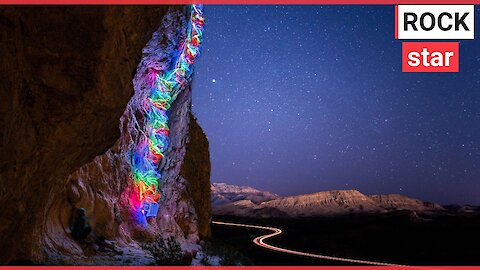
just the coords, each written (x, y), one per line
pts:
(154, 141)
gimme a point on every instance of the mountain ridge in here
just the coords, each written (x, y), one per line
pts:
(223, 193)
(322, 203)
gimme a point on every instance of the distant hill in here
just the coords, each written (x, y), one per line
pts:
(325, 203)
(464, 209)
(223, 194)
(400, 202)
(250, 202)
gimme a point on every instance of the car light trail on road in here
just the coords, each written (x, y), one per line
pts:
(260, 241)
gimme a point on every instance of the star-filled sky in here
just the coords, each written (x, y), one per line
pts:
(300, 99)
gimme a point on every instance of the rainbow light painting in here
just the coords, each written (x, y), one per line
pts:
(154, 141)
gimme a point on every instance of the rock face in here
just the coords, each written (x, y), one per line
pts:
(196, 170)
(66, 76)
(223, 193)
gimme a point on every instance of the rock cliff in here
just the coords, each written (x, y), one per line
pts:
(71, 80)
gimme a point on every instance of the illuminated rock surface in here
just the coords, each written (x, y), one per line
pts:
(66, 80)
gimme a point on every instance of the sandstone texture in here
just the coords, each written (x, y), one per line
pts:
(72, 79)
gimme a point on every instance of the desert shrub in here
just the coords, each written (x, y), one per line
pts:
(166, 251)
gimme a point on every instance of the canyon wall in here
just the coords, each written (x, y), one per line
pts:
(71, 81)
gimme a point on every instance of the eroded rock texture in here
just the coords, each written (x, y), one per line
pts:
(66, 78)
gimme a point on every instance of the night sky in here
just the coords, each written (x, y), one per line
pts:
(300, 99)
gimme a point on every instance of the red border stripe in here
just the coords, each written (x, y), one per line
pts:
(396, 22)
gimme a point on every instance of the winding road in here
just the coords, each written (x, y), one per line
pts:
(260, 241)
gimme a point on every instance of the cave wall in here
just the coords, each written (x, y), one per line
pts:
(66, 78)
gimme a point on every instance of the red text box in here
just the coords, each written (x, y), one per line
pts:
(430, 57)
